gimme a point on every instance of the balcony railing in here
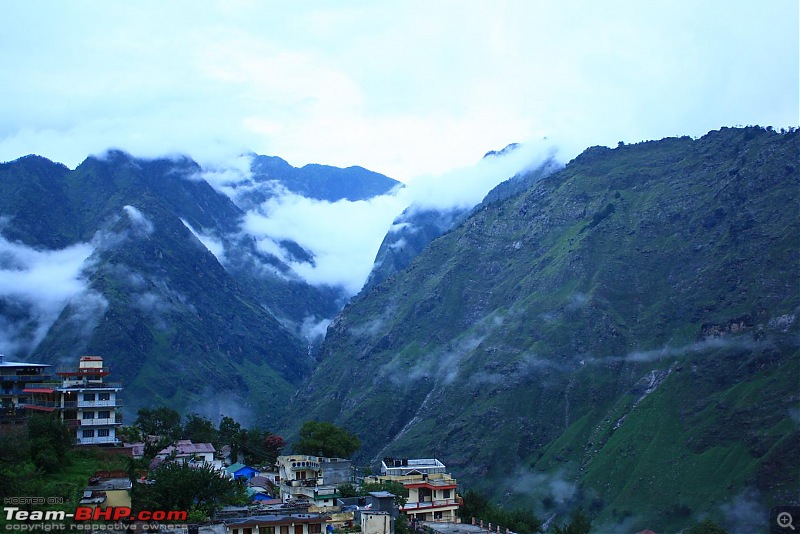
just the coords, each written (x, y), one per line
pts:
(24, 378)
(95, 441)
(430, 504)
(115, 403)
(307, 483)
(99, 422)
(111, 403)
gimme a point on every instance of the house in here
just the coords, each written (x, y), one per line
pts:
(107, 489)
(239, 470)
(312, 478)
(83, 399)
(278, 524)
(14, 378)
(184, 451)
(376, 523)
(431, 490)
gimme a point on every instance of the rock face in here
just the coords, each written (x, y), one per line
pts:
(614, 336)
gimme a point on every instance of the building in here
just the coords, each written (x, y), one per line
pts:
(312, 478)
(376, 523)
(278, 524)
(431, 490)
(186, 451)
(83, 399)
(14, 378)
(107, 489)
(239, 470)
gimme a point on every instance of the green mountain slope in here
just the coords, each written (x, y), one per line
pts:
(173, 324)
(621, 335)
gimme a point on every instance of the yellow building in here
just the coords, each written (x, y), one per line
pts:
(103, 492)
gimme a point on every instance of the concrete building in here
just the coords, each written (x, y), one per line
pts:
(376, 523)
(14, 378)
(278, 524)
(107, 489)
(312, 478)
(431, 490)
(83, 399)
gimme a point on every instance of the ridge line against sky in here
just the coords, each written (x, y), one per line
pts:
(403, 88)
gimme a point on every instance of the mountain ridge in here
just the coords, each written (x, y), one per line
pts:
(530, 330)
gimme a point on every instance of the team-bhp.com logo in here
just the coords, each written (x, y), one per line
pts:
(87, 513)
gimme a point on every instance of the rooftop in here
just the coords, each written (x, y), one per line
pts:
(186, 447)
(111, 484)
(4, 363)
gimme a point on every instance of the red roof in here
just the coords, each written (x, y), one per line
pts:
(34, 407)
(38, 390)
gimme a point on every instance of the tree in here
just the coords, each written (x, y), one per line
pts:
(326, 439)
(179, 486)
(273, 445)
(199, 429)
(579, 524)
(163, 421)
(130, 434)
(228, 433)
(49, 440)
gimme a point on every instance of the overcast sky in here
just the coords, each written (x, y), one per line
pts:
(405, 88)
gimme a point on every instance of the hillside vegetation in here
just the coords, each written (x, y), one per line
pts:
(622, 335)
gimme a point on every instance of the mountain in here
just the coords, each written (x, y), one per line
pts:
(621, 335)
(417, 226)
(163, 283)
(271, 175)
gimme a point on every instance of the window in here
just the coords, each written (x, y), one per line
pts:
(284, 529)
(314, 528)
(104, 396)
(248, 530)
(88, 415)
(266, 530)
(88, 396)
(102, 433)
(235, 531)
(446, 494)
(104, 414)
(87, 433)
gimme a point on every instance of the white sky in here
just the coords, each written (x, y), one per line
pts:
(405, 88)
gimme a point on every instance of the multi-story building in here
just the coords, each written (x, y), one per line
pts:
(278, 524)
(15, 377)
(312, 478)
(83, 399)
(431, 490)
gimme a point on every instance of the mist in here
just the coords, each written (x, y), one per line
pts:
(343, 237)
(35, 286)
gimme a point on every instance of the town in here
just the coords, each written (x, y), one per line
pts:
(256, 488)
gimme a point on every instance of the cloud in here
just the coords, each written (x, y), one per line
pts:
(215, 246)
(405, 88)
(465, 187)
(139, 222)
(670, 352)
(35, 286)
(744, 513)
(556, 485)
(344, 236)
